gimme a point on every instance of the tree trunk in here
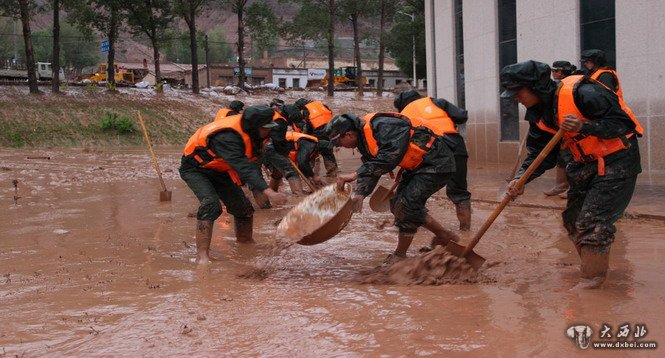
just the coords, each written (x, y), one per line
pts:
(193, 48)
(382, 50)
(331, 49)
(110, 60)
(356, 50)
(155, 58)
(27, 39)
(241, 45)
(55, 61)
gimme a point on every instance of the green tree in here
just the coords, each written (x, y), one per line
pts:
(261, 23)
(218, 48)
(387, 10)
(401, 38)
(24, 10)
(150, 18)
(77, 50)
(189, 10)
(354, 11)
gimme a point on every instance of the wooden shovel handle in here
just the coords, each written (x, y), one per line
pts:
(395, 184)
(520, 183)
(152, 152)
(302, 176)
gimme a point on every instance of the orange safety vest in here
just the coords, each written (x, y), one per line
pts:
(423, 111)
(197, 146)
(319, 114)
(587, 148)
(294, 137)
(278, 117)
(223, 113)
(600, 71)
(414, 154)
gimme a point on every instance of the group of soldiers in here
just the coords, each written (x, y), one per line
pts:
(601, 156)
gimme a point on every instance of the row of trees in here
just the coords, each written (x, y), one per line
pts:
(316, 21)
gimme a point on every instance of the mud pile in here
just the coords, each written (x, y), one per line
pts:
(312, 212)
(436, 267)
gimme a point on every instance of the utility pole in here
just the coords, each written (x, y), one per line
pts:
(207, 61)
(413, 39)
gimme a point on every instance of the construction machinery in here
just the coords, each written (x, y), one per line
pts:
(121, 75)
(346, 77)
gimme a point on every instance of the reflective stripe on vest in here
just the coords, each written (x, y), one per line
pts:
(414, 154)
(197, 146)
(424, 112)
(588, 148)
(294, 137)
(319, 114)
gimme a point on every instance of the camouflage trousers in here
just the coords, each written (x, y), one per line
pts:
(408, 204)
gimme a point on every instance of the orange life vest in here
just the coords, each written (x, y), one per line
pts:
(319, 114)
(278, 117)
(587, 148)
(294, 137)
(423, 111)
(223, 113)
(600, 71)
(197, 146)
(414, 154)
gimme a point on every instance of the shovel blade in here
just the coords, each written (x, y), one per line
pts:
(380, 200)
(165, 195)
(472, 258)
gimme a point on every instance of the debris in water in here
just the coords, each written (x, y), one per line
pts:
(436, 267)
(16, 197)
(60, 231)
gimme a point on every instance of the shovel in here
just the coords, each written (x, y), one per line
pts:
(302, 176)
(474, 259)
(380, 200)
(164, 195)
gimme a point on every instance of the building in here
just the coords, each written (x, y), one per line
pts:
(290, 77)
(468, 42)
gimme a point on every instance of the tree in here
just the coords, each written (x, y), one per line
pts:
(189, 10)
(23, 10)
(387, 10)
(104, 16)
(218, 47)
(238, 8)
(401, 36)
(353, 11)
(151, 18)
(55, 59)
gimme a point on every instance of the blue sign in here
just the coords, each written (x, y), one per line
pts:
(105, 46)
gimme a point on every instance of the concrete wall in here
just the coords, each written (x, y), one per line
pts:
(547, 30)
(290, 75)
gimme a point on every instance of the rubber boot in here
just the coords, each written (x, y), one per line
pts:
(464, 215)
(561, 185)
(261, 199)
(203, 238)
(274, 184)
(442, 235)
(593, 268)
(404, 240)
(243, 229)
(296, 185)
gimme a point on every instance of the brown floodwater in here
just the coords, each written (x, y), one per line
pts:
(91, 263)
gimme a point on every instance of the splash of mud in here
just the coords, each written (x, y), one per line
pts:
(436, 267)
(312, 212)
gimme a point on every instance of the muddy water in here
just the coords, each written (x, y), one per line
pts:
(93, 264)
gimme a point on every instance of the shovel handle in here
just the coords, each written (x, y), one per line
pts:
(155, 164)
(302, 176)
(520, 183)
(395, 184)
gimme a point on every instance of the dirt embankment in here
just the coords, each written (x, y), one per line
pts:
(76, 119)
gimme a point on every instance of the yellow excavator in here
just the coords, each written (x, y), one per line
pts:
(346, 76)
(121, 75)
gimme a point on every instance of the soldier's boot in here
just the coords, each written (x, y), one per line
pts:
(561, 185)
(593, 268)
(243, 229)
(442, 236)
(463, 209)
(404, 240)
(261, 199)
(274, 183)
(203, 238)
(296, 185)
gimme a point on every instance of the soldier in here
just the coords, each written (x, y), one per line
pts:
(304, 149)
(235, 107)
(316, 115)
(216, 161)
(388, 140)
(412, 105)
(601, 133)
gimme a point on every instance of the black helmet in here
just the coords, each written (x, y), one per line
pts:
(532, 74)
(255, 117)
(277, 102)
(564, 66)
(236, 106)
(341, 124)
(301, 103)
(596, 56)
(403, 99)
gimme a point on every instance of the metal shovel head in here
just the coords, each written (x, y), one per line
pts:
(472, 258)
(380, 200)
(165, 195)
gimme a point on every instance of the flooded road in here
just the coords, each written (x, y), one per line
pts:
(93, 264)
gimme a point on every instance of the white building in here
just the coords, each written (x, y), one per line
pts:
(290, 78)
(469, 41)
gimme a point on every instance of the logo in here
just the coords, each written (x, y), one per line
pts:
(581, 335)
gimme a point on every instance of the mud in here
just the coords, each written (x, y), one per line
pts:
(92, 264)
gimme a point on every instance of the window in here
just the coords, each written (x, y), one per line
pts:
(510, 126)
(398, 82)
(282, 82)
(459, 54)
(296, 83)
(597, 27)
(372, 82)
